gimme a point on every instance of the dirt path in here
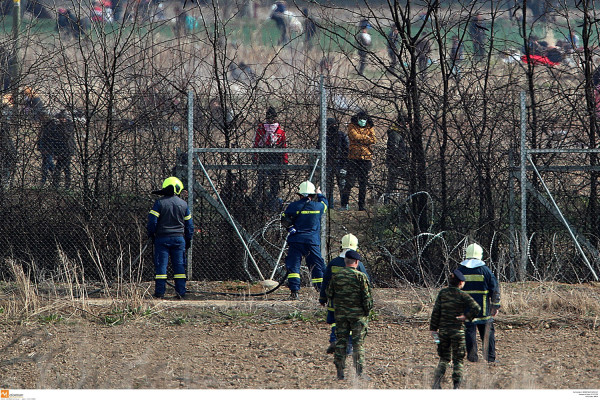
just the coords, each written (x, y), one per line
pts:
(273, 344)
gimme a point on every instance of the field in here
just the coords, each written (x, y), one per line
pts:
(547, 338)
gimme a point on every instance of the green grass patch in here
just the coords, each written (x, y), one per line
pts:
(51, 318)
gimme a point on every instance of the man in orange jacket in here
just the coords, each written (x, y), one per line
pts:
(361, 133)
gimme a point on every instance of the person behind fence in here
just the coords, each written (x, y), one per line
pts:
(46, 144)
(349, 242)
(171, 228)
(363, 39)
(64, 148)
(337, 158)
(278, 15)
(452, 307)
(269, 135)
(303, 221)
(477, 31)
(310, 29)
(482, 285)
(8, 157)
(456, 57)
(68, 24)
(397, 154)
(350, 294)
(596, 84)
(361, 133)
(392, 45)
(220, 120)
(423, 50)
(33, 106)
(180, 27)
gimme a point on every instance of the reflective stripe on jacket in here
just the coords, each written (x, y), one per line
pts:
(482, 285)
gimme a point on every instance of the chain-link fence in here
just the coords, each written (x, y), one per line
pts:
(416, 158)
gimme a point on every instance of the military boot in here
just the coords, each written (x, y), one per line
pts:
(340, 372)
(360, 374)
(437, 382)
(331, 348)
(457, 384)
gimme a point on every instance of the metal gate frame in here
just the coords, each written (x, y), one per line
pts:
(194, 152)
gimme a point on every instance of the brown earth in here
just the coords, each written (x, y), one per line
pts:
(258, 343)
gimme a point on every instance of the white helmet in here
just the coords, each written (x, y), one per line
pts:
(474, 251)
(349, 241)
(306, 188)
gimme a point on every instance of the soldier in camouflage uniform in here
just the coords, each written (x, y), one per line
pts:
(452, 307)
(351, 297)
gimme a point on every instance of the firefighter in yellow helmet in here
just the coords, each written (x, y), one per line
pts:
(349, 242)
(171, 228)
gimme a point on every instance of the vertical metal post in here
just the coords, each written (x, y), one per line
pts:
(323, 158)
(523, 266)
(14, 65)
(190, 173)
(511, 213)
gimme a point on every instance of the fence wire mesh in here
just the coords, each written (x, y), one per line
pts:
(85, 141)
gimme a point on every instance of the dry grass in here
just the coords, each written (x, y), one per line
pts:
(550, 300)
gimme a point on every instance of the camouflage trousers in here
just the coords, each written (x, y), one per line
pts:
(451, 347)
(343, 327)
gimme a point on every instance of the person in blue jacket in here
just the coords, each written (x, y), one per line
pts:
(303, 217)
(483, 286)
(349, 242)
(171, 228)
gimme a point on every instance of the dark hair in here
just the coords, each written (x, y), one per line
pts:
(362, 115)
(271, 113)
(402, 118)
(454, 281)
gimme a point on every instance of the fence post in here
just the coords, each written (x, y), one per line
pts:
(324, 159)
(523, 266)
(190, 173)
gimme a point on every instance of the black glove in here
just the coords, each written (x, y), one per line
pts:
(151, 237)
(188, 244)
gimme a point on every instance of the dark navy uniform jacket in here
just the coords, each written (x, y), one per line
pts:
(170, 216)
(307, 214)
(483, 287)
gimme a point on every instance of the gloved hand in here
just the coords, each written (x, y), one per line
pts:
(151, 237)
(188, 244)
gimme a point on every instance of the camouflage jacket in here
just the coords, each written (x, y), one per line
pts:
(350, 293)
(449, 304)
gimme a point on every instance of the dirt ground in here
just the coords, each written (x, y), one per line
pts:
(269, 343)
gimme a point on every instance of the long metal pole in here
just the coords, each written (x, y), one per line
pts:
(524, 252)
(14, 65)
(190, 173)
(324, 159)
(511, 215)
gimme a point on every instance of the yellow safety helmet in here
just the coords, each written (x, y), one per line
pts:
(349, 241)
(306, 188)
(474, 251)
(175, 182)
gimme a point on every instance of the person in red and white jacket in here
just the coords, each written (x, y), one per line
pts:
(269, 134)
